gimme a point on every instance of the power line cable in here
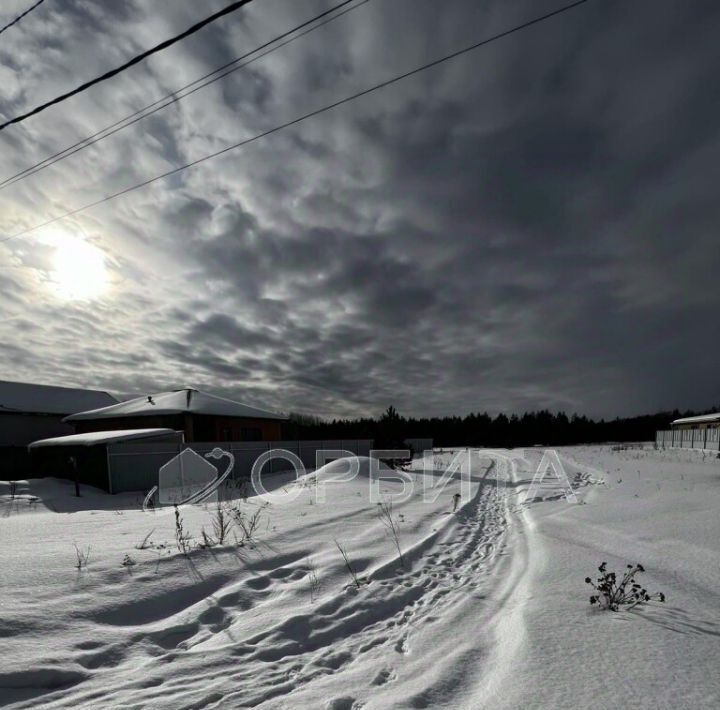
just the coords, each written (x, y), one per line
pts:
(302, 118)
(135, 60)
(175, 96)
(19, 17)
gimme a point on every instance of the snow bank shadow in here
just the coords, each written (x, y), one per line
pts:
(58, 496)
(479, 476)
(30, 684)
(677, 620)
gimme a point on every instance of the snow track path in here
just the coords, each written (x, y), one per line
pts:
(437, 632)
(489, 610)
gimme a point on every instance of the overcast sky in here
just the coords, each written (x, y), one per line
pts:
(533, 225)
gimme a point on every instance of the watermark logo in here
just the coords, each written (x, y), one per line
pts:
(550, 462)
(185, 476)
(460, 466)
(191, 478)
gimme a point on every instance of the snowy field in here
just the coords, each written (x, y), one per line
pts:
(485, 607)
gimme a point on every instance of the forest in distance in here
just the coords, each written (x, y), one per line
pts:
(542, 427)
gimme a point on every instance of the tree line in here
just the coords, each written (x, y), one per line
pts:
(480, 429)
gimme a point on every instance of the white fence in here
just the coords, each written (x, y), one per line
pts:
(707, 439)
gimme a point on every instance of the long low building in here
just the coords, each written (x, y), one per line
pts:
(198, 415)
(703, 421)
(132, 460)
(85, 458)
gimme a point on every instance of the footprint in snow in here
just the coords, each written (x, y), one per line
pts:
(110, 656)
(345, 703)
(88, 645)
(258, 583)
(372, 643)
(281, 573)
(402, 646)
(384, 676)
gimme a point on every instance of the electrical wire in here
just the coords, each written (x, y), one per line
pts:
(19, 17)
(304, 117)
(176, 95)
(135, 60)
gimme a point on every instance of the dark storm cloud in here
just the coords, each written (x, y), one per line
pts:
(531, 226)
(222, 329)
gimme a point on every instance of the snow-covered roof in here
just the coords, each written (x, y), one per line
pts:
(702, 419)
(26, 398)
(107, 437)
(176, 402)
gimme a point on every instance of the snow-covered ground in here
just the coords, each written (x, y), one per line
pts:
(487, 607)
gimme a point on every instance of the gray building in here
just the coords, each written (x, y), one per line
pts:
(29, 412)
(88, 458)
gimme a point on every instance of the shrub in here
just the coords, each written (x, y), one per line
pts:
(314, 580)
(182, 538)
(145, 542)
(456, 501)
(385, 513)
(357, 581)
(128, 561)
(221, 523)
(248, 524)
(82, 557)
(612, 595)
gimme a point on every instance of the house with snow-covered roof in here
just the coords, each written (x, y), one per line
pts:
(199, 415)
(29, 412)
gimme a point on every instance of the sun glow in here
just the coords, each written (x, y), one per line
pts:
(79, 271)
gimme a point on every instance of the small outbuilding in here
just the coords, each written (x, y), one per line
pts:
(85, 458)
(199, 415)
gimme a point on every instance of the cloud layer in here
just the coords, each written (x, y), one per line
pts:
(533, 225)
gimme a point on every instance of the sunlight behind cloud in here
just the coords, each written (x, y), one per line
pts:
(79, 271)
